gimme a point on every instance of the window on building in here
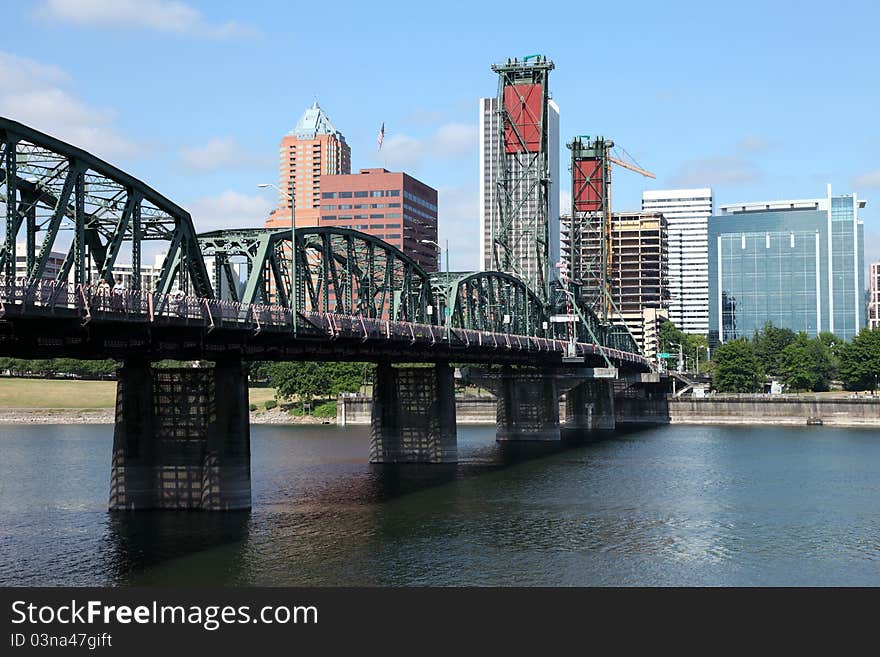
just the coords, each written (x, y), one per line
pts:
(377, 193)
(360, 216)
(377, 216)
(392, 192)
(328, 195)
(360, 194)
(344, 194)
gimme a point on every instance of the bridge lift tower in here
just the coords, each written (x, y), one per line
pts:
(591, 161)
(521, 233)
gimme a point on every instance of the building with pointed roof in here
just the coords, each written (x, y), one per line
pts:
(313, 148)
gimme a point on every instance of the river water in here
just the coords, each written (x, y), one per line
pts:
(676, 505)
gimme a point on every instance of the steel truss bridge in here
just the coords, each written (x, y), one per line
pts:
(357, 297)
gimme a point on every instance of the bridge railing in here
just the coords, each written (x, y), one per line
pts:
(88, 302)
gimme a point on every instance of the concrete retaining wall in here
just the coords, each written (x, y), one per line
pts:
(774, 409)
(482, 410)
(718, 409)
(468, 410)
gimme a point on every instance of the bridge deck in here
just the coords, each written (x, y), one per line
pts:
(48, 319)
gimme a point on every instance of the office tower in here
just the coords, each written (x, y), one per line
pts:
(796, 263)
(519, 174)
(687, 214)
(638, 272)
(393, 206)
(874, 297)
(314, 148)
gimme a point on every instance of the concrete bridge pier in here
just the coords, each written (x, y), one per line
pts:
(182, 438)
(413, 415)
(528, 405)
(590, 406)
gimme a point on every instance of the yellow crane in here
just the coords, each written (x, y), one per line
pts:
(609, 245)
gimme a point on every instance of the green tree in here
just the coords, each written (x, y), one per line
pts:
(835, 348)
(769, 344)
(737, 368)
(805, 364)
(860, 361)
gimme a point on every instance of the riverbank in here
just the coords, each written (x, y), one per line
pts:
(778, 410)
(108, 416)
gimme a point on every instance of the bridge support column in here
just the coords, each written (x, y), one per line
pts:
(413, 415)
(182, 439)
(528, 405)
(590, 406)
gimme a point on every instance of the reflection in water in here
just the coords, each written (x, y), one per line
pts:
(671, 505)
(137, 541)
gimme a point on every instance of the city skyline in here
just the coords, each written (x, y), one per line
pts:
(725, 119)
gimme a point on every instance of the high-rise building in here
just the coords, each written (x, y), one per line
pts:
(874, 297)
(314, 148)
(149, 273)
(687, 212)
(638, 276)
(524, 199)
(796, 263)
(393, 206)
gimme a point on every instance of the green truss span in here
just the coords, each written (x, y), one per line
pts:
(57, 198)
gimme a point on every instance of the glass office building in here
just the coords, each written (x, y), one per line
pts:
(798, 264)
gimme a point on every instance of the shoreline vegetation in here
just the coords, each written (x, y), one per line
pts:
(71, 401)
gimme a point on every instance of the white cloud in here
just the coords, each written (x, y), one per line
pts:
(451, 141)
(230, 210)
(159, 15)
(38, 96)
(870, 179)
(710, 171)
(458, 216)
(219, 153)
(423, 116)
(753, 144)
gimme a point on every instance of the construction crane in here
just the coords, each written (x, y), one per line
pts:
(591, 161)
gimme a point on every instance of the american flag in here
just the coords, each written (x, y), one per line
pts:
(381, 135)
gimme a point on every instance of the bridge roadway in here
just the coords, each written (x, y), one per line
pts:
(46, 319)
(181, 438)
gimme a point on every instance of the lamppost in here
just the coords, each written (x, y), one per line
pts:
(699, 348)
(291, 299)
(447, 311)
(680, 356)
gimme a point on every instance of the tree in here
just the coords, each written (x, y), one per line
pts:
(769, 344)
(805, 364)
(835, 348)
(308, 380)
(670, 336)
(737, 368)
(860, 361)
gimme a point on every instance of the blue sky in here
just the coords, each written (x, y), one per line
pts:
(760, 100)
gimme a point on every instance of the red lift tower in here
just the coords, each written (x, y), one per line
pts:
(520, 231)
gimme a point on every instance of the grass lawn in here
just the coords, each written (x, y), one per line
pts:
(60, 393)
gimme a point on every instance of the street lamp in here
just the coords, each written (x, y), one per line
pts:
(447, 311)
(680, 356)
(291, 299)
